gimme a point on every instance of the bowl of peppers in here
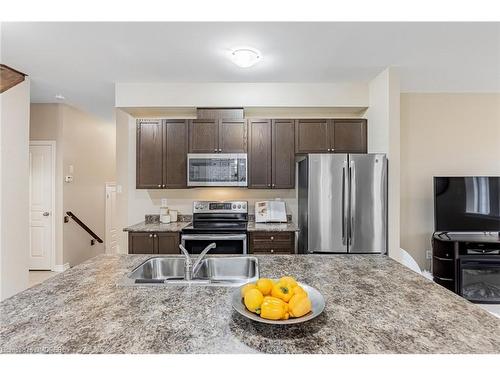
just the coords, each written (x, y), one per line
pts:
(278, 301)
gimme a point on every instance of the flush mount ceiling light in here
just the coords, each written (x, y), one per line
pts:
(60, 97)
(246, 57)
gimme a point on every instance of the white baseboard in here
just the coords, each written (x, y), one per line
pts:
(61, 267)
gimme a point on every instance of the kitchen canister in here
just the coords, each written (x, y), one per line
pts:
(173, 215)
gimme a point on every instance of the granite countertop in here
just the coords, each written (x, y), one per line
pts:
(272, 227)
(156, 227)
(178, 226)
(373, 305)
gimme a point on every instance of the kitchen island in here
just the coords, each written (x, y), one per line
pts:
(373, 305)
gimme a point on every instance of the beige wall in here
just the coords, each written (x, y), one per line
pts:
(14, 189)
(88, 144)
(442, 134)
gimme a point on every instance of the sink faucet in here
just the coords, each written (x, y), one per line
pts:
(190, 269)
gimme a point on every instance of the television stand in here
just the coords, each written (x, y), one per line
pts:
(449, 248)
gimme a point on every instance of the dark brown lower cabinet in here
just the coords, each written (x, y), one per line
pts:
(153, 243)
(271, 242)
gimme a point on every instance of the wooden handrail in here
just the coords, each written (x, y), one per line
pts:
(86, 228)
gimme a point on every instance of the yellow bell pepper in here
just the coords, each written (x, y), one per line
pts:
(274, 309)
(282, 290)
(265, 286)
(289, 280)
(245, 288)
(298, 290)
(253, 300)
(299, 305)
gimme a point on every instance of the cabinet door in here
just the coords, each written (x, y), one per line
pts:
(283, 154)
(141, 243)
(233, 136)
(168, 243)
(349, 135)
(259, 154)
(203, 136)
(311, 136)
(175, 159)
(149, 157)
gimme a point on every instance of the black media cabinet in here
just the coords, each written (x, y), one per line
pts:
(449, 248)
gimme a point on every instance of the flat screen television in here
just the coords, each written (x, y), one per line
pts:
(467, 204)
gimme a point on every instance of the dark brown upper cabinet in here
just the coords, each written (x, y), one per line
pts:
(218, 135)
(349, 135)
(340, 136)
(149, 154)
(312, 136)
(259, 154)
(161, 154)
(175, 154)
(283, 155)
(271, 154)
(204, 136)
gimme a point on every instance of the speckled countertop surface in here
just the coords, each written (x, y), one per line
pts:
(178, 226)
(373, 305)
(272, 227)
(157, 227)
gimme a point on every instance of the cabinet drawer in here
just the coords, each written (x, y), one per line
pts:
(443, 251)
(272, 242)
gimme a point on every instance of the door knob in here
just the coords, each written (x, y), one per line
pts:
(46, 213)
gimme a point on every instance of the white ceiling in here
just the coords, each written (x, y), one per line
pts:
(83, 60)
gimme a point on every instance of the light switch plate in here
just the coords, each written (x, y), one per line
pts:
(428, 254)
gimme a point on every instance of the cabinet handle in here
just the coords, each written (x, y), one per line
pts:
(274, 185)
(150, 236)
(220, 149)
(328, 150)
(332, 149)
(159, 186)
(272, 238)
(215, 149)
(272, 251)
(269, 185)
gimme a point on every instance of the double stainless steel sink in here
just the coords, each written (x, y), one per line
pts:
(218, 271)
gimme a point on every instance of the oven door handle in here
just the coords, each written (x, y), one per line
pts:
(209, 237)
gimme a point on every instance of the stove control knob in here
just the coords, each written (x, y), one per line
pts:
(234, 206)
(239, 206)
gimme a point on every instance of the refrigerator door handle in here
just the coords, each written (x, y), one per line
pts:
(352, 203)
(344, 205)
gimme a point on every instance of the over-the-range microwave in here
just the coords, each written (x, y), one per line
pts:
(217, 170)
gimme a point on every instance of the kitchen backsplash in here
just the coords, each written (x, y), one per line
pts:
(155, 219)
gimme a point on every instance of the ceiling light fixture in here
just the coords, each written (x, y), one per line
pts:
(59, 97)
(246, 57)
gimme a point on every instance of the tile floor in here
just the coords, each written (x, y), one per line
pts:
(37, 277)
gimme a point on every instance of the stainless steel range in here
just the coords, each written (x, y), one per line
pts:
(224, 223)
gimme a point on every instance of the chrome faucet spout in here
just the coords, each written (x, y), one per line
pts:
(197, 263)
(188, 265)
(190, 269)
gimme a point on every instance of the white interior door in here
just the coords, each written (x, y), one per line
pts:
(41, 205)
(111, 228)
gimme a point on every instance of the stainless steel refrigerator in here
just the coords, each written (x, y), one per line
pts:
(342, 203)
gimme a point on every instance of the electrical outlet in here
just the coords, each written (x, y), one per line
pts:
(428, 254)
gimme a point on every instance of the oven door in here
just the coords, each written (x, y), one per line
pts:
(217, 170)
(479, 278)
(226, 243)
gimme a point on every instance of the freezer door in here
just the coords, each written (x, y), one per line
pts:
(368, 203)
(327, 230)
